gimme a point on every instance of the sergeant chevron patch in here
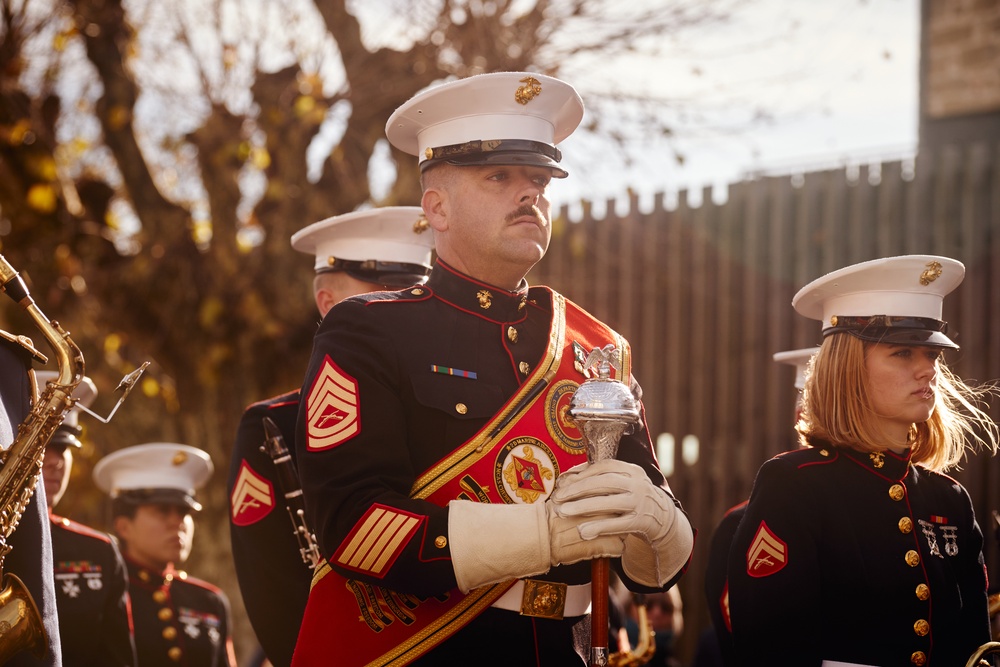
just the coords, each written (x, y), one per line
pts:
(767, 553)
(376, 540)
(252, 498)
(332, 414)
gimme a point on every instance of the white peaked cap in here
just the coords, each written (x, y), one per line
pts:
(490, 108)
(378, 236)
(893, 299)
(799, 359)
(85, 393)
(153, 466)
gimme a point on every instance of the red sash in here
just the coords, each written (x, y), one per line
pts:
(514, 459)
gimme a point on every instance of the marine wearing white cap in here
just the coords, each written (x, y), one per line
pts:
(891, 300)
(509, 118)
(389, 246)
(156, 472)
(800, 360)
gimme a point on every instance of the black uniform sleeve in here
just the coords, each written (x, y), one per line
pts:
(31, 560)
(273, 578)
(716, 582)
(773, 616)
(344, 481)
(31, 555)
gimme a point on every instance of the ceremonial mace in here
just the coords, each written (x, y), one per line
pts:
(603, 409)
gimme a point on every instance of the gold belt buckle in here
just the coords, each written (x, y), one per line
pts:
(543, 599)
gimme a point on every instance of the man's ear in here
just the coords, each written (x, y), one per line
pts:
(122, 526)
(435, 205)
(325, 300)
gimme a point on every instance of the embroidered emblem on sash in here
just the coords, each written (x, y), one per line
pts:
(252, 498)
(767, 554)
(380, 607)
(520, 473)
(473, 490)
(332, 414)
(561, 426)
(377, 540)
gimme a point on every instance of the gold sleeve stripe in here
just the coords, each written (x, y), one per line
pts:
(393, 542)
(377, 540)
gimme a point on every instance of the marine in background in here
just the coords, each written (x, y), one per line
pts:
(355, 253)
(179, 620)
(95, 616)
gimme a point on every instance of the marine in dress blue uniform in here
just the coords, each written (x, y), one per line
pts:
(30, 558)
(716, 583)
(95, 617)
(179, 619)
(406, 434)
(378, 249)
(864, 555)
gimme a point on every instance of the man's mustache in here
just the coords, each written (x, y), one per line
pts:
(528, 209)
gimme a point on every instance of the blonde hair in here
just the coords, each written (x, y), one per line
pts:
(837, 407)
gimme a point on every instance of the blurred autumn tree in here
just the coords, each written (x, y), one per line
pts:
(155, 158)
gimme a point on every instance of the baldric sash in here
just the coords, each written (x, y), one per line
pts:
(515, 458)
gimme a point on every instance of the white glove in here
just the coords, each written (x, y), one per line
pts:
(493, 542)
(658, 537)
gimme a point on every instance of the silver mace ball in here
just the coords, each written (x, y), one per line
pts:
(603, 408)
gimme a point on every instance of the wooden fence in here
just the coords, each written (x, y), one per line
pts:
(704, 296)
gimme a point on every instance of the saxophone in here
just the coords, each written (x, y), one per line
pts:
(21, 626)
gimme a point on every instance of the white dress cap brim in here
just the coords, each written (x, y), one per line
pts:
(904, 286)
(154, 465)
(496, 106)
(388, 234)
(799, 359)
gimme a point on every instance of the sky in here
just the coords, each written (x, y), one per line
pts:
(838, 82)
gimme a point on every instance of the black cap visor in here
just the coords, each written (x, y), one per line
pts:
(511, 152)
(64, 439)
(158, 496)
(390, 274)
(894, 330)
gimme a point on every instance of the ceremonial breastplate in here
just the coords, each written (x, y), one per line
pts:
(515, 458)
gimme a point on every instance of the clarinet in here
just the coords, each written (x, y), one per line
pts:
(288, 480)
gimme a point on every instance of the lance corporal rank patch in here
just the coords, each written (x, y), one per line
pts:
(767, 554)
(252, 498)
(332, 414)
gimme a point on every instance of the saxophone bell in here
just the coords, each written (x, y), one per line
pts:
(21, 626)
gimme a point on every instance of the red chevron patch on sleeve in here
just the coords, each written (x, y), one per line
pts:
(332, 408)
(252, 498)
(377, 540)
(767, 554)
